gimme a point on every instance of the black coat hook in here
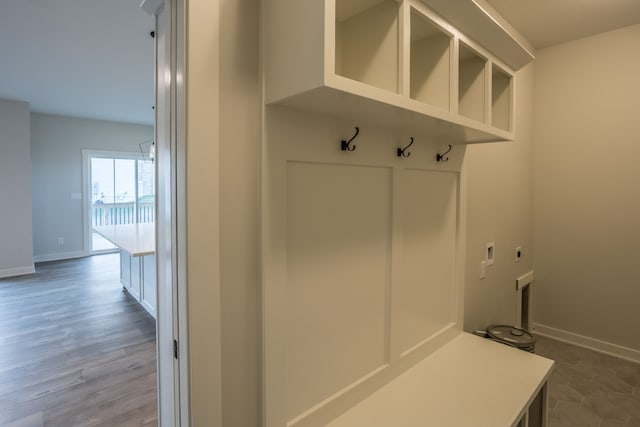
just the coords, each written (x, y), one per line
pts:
(344, 145)
(441, 157)
(401, 151)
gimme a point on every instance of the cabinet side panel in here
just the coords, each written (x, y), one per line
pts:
(294, 46)
(338, 256)
(149, 292)
(125, 269)
(135, 277)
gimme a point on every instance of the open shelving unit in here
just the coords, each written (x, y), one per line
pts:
(342, 328)
(390, 62)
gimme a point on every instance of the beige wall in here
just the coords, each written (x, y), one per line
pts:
(16, 240)
(240, 134)
(587, 192)
(202, 200)
(499, 192)
(223, 142)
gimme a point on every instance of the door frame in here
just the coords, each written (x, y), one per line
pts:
(174, 400)
(168, 321)
(87, 155)
(185, 397)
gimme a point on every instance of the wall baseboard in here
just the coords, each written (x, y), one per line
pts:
(17, 271)
(587, 342)
(59, 256)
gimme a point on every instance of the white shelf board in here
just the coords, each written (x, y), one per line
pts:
(364, 104)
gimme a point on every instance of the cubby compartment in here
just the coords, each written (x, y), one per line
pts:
(471, 83)
(501, 109)
(367, 42)
(430, 62)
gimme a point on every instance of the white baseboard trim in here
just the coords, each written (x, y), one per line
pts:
(59, 256)
(17, 271)
(587, 342)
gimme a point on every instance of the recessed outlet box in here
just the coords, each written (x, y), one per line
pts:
(518, 253)
(490, 257)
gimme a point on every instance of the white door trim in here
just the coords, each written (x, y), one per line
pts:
(172, 323)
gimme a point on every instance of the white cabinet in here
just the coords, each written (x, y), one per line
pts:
(137, 260)
(148, 296)
(125, 269)
(389, 62)
(135, 285)
(138, 277)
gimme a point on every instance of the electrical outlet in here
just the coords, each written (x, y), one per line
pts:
(60, 241)
(491, 251)
(518, 253)
(483, 269)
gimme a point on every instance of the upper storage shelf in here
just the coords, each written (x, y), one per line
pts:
(392, 62)
(474, 18)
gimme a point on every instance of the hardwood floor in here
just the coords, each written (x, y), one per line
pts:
(75, 350)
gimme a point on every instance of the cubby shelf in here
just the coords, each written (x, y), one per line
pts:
(391, 62)
(430, 59)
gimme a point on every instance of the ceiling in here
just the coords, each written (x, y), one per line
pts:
(83, 58)
(94, 58)
(548, 22)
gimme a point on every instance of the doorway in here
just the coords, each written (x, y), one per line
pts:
(119, 188)
(62, 236)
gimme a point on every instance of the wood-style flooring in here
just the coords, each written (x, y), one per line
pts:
(75, 350)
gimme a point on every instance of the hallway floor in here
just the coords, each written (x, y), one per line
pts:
(590, 389)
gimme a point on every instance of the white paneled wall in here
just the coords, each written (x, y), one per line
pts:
(338, 266)
(361, 261)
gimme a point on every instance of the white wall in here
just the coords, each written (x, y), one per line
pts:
(239, 210)
(587, 192)
(56, 156)
(499, 209)
(16, 240)
(203, 212)
(223, 144)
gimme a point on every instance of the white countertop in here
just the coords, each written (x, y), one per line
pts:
(471, 381)
(136, 239)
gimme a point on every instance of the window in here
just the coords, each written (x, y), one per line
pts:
(122, 192)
